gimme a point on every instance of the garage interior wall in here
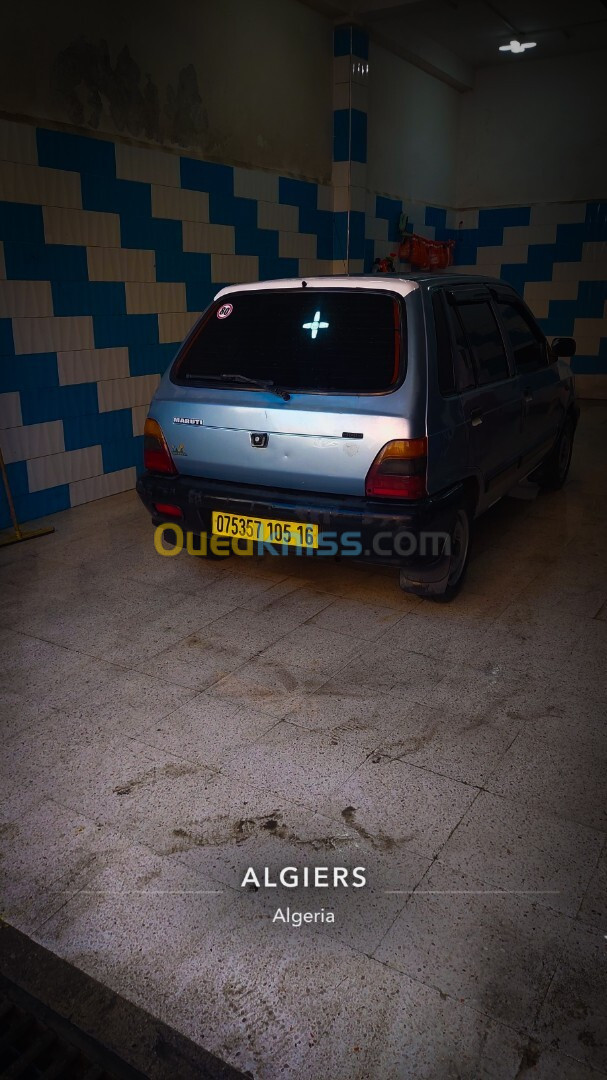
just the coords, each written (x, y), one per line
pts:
(143, 165)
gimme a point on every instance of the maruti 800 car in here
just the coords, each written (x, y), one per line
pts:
(387, 412)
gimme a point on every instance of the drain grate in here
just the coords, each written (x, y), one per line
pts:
(36, 1048)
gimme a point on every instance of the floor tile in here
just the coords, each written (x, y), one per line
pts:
(497, 952)
(513, 847)
(392, 803)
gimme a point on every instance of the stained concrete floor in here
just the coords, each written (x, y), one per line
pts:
(169, 722)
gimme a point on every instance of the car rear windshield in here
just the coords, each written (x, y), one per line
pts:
(307, 340)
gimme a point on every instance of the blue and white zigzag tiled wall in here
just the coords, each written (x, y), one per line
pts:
(555, 254)
(108, 252)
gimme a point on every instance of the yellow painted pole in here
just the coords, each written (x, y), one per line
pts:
(19, 533)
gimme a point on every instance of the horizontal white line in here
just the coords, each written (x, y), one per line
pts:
(473, 892)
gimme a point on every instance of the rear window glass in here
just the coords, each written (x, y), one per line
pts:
(340, 341)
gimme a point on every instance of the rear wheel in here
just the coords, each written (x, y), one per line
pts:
(552, 474)
(460, 554)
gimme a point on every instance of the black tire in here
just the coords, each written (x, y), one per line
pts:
(552, 474)
(461, 537)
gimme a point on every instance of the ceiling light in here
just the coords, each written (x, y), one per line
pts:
(518, 46)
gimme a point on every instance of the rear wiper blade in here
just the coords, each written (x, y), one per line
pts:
(262, 384)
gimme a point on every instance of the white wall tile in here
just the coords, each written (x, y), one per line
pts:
(53, 334)
(20, 299)
(341, 69)
(99, 487)
(325, 197)
(315, 267)
(501, 253)
(529, 234)
(297, 245)
(147, 166)
(44, 187)
(89, 227)
(377, 228)
(180, 204)
(233, 268)
(47, 472)
(120, 264)
(18, 142)
(148, 298)
(340, 174)
(139, 416)
(254, 184)
(540, 306)
(558, 213)
(213, 239)
(32, 440)
(125, 393)
(91, 365)
(591, 386)
(341, 199)
(551, 290)
(277, 216)
(341, 95)
(175, 325)
(10, 410)
(466, 219)
(594, 260)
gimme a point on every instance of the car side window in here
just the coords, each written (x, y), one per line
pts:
(485, 340)
(527, 341)
(444, 347)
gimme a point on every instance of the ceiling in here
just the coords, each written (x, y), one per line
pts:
(453, 38)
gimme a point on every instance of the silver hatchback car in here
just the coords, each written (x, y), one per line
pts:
(367, 416)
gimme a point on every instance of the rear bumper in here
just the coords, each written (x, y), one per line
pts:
(399, 534)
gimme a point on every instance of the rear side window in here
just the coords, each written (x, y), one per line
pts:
(312, 341)
(527, 341)
(485, 340)
(444, 347)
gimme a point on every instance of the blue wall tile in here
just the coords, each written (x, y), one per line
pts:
(7, 346)
(199, 294)
(207, 176)
(277, 268)
(28, 372)
(187, 266)
(58, 403)
(38, 504)
(297, 192)
(76, 153)
(116, 196)
(98, 428)
(45, 262)
(114, 330)
(122, 454)
(88, 297)
(226, 209)
(341, 135)
(358, 147)
(158, 234)
(151, 359)
(253, 241)
(21, 222)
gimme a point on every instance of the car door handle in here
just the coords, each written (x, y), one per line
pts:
(476, 418)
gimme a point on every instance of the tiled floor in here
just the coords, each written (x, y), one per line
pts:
(170, 722)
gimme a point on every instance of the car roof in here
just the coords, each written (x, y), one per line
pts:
(401, 283)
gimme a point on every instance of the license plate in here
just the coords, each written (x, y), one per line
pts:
(267, 530)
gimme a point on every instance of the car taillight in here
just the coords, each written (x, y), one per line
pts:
(399, 470)
(156, 455)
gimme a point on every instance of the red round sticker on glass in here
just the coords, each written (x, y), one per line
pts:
(224, 311)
